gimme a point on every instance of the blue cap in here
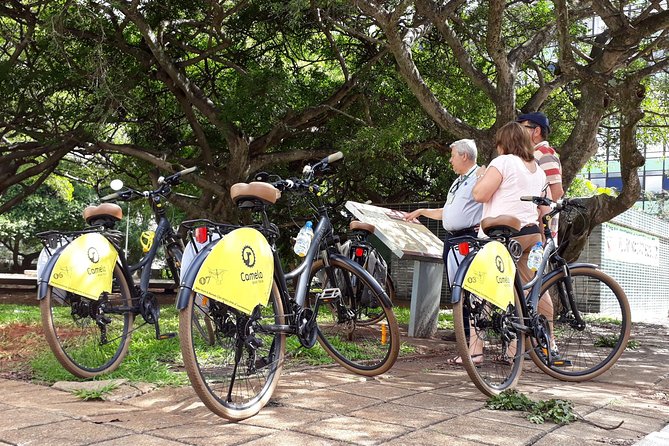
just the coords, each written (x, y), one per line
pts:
(308, 224)
(538, 118)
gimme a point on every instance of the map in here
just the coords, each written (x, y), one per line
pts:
(403, 238)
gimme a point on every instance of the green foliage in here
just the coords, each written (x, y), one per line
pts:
(611, 341)
(308, 356)
(582, 187)
(555, 410)
(57, 205)
(19, 314)
(95, 394)
(89, 74)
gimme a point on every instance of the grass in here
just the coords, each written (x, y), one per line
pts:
(611, 341)
(94, 394)
(148, 360)
(19, 314)
(444, 320)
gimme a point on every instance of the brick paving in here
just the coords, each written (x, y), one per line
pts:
(421, 400)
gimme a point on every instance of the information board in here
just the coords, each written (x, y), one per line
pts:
(403, 238)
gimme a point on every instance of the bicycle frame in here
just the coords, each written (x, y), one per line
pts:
(302, 272)
(164, 235)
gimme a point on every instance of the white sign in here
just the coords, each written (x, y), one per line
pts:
(400, 236)
(627, 245)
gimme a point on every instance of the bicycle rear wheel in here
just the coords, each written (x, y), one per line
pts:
(500, 364)
(355, 326)
(585, 350)
(89, 337)
(370, 313)
(235, 371)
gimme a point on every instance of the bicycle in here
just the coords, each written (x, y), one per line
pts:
(586, 335)
(88, 296)
(236, 375)
(358, 249)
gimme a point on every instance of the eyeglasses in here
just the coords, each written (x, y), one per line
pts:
(531, 126)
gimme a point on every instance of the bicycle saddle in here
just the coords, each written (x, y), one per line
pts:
(103, 213)
(502, 225)
(255, 190)
(360, 226)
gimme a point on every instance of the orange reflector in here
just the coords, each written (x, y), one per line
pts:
(463, 248)
(384, 334)
(201, 234)
(205, 301)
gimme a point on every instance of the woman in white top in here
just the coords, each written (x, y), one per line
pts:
(513, 174)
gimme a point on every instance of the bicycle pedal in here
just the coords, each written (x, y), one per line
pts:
(329, 295)
(163, 336)
(562, 363)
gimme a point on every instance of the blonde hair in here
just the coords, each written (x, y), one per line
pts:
(514, 140)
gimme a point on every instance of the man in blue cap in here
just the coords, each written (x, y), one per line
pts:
(538, 127)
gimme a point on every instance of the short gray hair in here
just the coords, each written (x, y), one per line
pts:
(466, 147)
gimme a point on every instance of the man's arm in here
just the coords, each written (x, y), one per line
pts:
(556, 190)
(434, 214)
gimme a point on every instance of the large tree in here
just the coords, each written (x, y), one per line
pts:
(239, 86)
(580, 61)
(231, 87)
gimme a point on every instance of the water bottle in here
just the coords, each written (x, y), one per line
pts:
(535, 257)
(303, 240)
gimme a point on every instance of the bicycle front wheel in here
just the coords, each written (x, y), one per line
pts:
(491, 350)
(355, 325)
(587, 348)
(89, 337)
(235, 368)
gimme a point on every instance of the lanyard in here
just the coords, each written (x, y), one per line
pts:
(454, 188)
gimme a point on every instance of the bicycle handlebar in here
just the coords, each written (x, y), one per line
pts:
(304, 182)
(175, 178)
(332, 158)
(164, 187)
(558, 205)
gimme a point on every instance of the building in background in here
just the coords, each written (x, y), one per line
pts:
(654, 176)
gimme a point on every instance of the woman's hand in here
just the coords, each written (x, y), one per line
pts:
(486, 186)
(480, 171)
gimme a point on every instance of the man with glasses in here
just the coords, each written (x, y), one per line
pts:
(461, 214)
(536, 123)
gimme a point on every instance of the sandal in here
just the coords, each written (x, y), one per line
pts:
(477, 359)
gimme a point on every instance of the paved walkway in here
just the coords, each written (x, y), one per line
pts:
(421, 401)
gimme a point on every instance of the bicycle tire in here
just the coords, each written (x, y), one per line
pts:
(499, 367)
(201, 319)
(586, 352)
(74, 336)
(368, 349)
(233, 389)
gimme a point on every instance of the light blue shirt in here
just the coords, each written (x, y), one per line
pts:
(460, 210)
